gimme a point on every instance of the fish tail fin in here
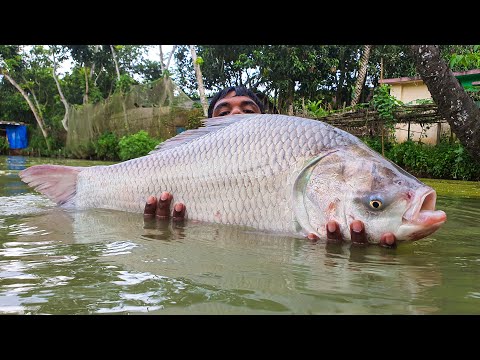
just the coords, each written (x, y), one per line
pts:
(57, 182)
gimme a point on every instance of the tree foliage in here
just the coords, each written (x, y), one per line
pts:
(294, 78)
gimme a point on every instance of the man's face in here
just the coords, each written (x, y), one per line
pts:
(232, 105)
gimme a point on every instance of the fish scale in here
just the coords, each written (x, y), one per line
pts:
(276, 173)
(212, 185)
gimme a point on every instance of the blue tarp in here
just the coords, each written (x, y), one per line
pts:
(179, 129)
(17, 136)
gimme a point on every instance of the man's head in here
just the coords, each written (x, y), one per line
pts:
(235, 100)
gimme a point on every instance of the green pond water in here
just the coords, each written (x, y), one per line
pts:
(57, 261)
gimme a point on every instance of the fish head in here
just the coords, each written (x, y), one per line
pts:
(357, 183)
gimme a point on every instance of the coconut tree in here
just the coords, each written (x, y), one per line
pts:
(362, 72)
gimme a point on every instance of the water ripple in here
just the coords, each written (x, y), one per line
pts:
(118, 248)
(24, 204)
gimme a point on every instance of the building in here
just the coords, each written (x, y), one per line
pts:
(410, 90)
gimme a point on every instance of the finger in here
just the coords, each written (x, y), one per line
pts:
(357, 232)
(333, 232)
(150, 207)
(312, 237)
(163, 229)
(163, 205)
(179, 211)
(388, 240)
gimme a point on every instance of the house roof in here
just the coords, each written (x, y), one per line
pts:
(11, 123)
(418, 78)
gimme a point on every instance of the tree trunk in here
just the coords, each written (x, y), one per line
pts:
(170, 56)
(60, 92)
(201, 88)
(453, 103)
(114, 55)
(362, 72)
(290, 97)
(32, 107)
(162, 67)
(92, 69)
(85, 97)
(341, 68)
(124, 106)
(37, 103)
(98, 75)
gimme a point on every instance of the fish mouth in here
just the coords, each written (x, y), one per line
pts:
(421, 219)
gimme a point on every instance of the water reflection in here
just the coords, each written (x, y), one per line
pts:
(179, 267)
(12, 185)
(56, 261)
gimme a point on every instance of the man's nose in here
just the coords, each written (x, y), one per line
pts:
(236, 110)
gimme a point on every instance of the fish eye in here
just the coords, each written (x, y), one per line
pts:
(376, 204)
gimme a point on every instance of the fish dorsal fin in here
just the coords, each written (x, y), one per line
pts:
(210, 125)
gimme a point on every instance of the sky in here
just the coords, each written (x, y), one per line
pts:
(153, 54)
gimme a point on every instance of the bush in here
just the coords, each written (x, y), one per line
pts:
(195, 118)
(411, 156)
(136, 145)
(452, 161)
(443, 161)
(446, 160)
(3, 145)
(315, 109)
(376, 143)
(106, 147)
(37, 145)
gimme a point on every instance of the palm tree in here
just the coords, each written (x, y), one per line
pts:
(362, 72)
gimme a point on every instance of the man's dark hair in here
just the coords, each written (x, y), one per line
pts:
(239, 91)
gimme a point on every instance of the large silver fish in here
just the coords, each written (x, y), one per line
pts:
(276, 173)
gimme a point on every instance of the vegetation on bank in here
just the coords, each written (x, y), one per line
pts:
(3, 145)
(107, 147)
(285, 76)
(306, 80)
(447, 160)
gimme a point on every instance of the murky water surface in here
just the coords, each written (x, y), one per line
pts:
(54, 261)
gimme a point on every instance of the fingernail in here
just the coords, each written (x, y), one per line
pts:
(164, 196)
(331, 227)
(150, 200)
(389, 239)
(357, 227)
(178, 207)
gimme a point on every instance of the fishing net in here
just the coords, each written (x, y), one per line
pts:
(160, 108)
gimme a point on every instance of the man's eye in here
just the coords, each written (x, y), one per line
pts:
(248, 111)
(224, 113)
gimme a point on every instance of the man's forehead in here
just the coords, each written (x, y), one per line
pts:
(235, 99)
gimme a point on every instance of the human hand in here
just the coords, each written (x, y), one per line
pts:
(160, 222)
(161, 209)
(357, 234)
